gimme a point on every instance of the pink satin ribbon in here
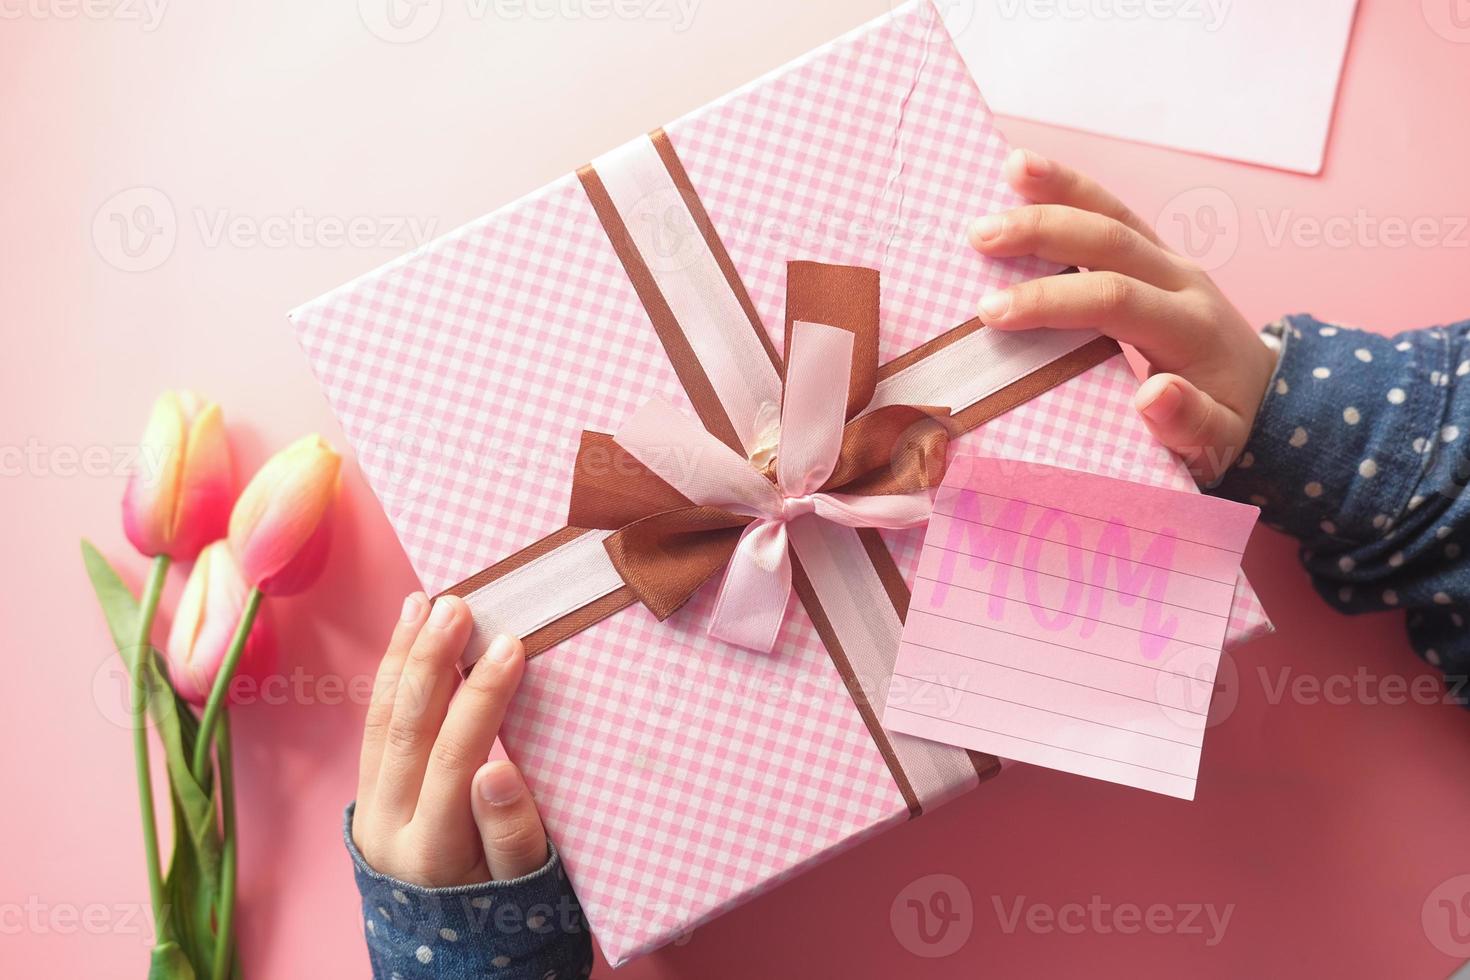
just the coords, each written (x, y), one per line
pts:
(757, 584)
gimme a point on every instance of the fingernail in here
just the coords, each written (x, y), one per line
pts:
(1162, 405)
(1036, 164)
(987, 228)
(441, 615)
(502, 649)
(412, 607)
(995, 305)
(500, 784)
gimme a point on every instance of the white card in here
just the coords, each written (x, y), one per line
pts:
(1251, 80)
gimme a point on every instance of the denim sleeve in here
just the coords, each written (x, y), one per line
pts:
(528, 928)
(1360, 451)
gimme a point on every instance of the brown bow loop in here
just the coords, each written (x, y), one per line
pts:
(895, 449)
(665, 547)
(845, 296)
(611, 488)
(665, 558)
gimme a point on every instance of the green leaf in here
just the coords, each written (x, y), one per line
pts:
(176, 722)
(192, 880)
(169, 963)
(191, 900)
(116, 599)
(196, 805)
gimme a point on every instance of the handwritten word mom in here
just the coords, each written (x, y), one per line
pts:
(1011, 537)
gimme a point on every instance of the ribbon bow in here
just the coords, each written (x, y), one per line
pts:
(682, 504)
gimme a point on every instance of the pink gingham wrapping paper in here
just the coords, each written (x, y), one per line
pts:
(679, 776)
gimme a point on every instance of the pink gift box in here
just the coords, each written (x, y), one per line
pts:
(681, 776)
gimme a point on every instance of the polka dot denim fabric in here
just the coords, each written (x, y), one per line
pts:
(528, 928)
(1362, 451)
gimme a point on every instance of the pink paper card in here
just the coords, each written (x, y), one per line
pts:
(1069, 620)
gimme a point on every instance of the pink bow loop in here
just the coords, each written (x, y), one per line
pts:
(757, 584)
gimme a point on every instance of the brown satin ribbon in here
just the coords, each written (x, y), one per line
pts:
(702, 538)
(843, 296)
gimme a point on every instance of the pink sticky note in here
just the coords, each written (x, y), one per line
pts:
(1069, 620)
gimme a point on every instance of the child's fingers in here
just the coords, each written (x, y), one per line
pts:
(1045, 181)
(385, 686)
(510, 827)
(469, 731)
(1071, 236)
(1123, 308)
(1206, 434)
(424, 689)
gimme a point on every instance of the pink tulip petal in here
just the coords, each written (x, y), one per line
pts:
(183, 634)
(206, 486)
(204, 626)
(282, 507)
(306, 566)
(152, 491)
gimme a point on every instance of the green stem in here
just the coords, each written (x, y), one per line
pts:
(214, 707)
(224, 942)
(142, 660)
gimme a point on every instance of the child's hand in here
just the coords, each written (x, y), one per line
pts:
(425, 746)
(1140, 293)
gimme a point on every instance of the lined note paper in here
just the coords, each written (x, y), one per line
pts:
(1070, 621)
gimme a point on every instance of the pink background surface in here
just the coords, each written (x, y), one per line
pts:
(1326, 821)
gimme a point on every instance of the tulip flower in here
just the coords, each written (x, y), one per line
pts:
(180, 500)
(280, 527)
(209, 611)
